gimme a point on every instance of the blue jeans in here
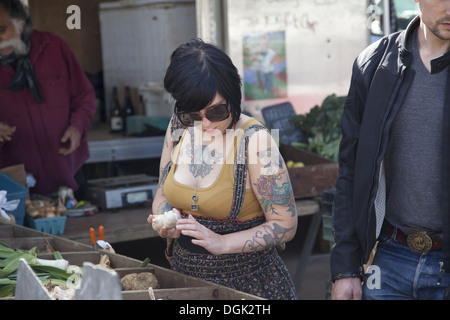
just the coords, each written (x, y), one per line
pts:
(397, 272)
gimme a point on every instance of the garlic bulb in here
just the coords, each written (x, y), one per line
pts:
(168, 219)
(158, 222)
(62, 193)
(171, 217)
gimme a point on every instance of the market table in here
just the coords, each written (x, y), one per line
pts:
(120, 225)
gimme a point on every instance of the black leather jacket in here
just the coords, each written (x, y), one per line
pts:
(379, 82)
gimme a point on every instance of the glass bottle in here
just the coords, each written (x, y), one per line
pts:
(128, 109)
(116, 116)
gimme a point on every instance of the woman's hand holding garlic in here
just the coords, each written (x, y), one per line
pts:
(165, 223)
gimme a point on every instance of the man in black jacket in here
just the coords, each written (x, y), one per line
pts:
(393, 185)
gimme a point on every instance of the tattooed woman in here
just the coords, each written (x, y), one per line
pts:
(222, 170)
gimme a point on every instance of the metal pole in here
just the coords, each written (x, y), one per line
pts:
(386, 17)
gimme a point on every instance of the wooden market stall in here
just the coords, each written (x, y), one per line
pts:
(172, 285)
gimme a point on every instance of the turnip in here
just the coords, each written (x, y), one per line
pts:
(139, 281)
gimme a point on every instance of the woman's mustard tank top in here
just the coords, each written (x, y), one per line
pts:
(214, 201)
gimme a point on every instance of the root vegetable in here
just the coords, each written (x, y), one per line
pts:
(158, 222)
(63, 293)
(44, 209)
(171, 217)
(168, 219)
(139, 281)
(32, 212)
(60, 208)
(38, 203)
(50, 214)
(65, 193)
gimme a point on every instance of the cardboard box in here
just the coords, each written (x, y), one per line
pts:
(318, 174)
(16, 172)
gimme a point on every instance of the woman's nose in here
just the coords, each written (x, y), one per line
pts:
(205, 122)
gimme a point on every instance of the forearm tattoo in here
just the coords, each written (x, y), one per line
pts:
(268, 237)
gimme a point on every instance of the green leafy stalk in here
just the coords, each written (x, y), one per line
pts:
(9, 264)
(321, 126)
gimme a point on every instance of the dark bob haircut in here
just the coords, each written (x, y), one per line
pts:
(197, 72)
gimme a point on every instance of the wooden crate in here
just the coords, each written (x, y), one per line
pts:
(318, 174)
(173, 285)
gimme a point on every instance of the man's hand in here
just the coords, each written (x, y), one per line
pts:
(74, 136)
(347, 289)
(6, 132)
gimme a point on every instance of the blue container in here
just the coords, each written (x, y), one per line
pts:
(54, 225)
(15, 190)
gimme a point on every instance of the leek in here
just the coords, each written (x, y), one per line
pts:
(47, 270)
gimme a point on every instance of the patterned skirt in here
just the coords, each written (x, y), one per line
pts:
(261, 273)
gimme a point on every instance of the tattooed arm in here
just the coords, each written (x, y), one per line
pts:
(160, 203)
(271, 184)
(269, 180)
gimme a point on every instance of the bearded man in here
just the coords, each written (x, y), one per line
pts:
(47, 103)
(393, 188)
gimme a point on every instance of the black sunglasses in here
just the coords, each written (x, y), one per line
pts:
(213, 114)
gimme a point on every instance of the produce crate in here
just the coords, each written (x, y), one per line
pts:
(172, 285)
(54, 225)
(318, 174)
(15, 190)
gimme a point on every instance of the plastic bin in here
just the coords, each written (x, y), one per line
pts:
(15, 190)
(53, 225)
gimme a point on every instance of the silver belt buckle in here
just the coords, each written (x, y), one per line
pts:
(419, 241)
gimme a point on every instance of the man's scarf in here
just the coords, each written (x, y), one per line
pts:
(24, 71)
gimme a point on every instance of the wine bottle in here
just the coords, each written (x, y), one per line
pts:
(128, 109)
(116, 116)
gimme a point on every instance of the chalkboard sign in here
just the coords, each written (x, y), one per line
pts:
(279, 116)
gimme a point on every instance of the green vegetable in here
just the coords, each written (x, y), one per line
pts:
(144, 263)
(54, 272)
(55, 282)
(9, 264)
(57, 255)
(60, 263)
(322, 127)
(7, 287)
